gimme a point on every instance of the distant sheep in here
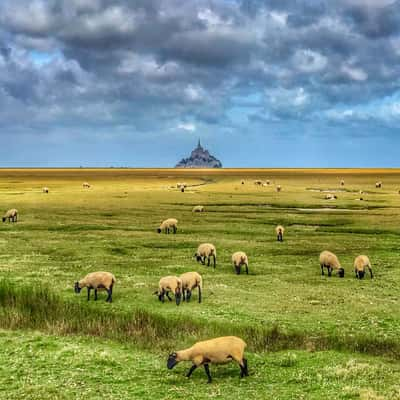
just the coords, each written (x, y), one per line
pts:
(329, 261)
(258, 182)
(45, 190)
(214, 351)
(181, 185)
(342, 182)
(85, 185)
(96, 281)
(378, 185)
(238, 259)
(330, 196)
(190, 281)
(278, 188)
(11, 215)
(280, 230)
(169, 284)
(170, 223)
(198, 209)
(242, 182)
(206, 250)
(267, 182)
(361, 263)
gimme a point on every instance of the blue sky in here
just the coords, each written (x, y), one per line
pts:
(272, 83)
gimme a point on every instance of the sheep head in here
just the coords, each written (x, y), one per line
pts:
(172, 360)
(341, 272)
(77, 287)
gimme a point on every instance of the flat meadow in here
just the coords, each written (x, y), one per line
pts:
(309, 336)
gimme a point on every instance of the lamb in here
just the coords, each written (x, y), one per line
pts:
(278, 188)
(97, 280)
(12, 215)
(214, 351)
(198, 209)
(86, 185)
(170, 223)
(169, 284)
(360, 264)
(280, 230)
(190, 281)
(45, 190)
(206, 250)
(238, 259)
(378, 184)
(329, 261)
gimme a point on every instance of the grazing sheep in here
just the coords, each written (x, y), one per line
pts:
(267, 182)
(214, 351)
(170, 223)
(278, 188)
(378, 184)
(12, 215)
(206, 250)
(280, 230)
(330, 196)
(258, 182)
(96, 281)
(85, 185)
(242, 182)
(181, 185)
(198, 209)
(329, 261)
(190, 281)
(182, 189)
(342, 182)
(360, 264)
(169, 284)
(238, 259)
(45, 190)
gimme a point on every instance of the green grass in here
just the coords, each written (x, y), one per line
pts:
(283, 305)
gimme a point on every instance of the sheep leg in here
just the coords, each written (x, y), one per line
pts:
(174, 229)
(207, 369)
(95, 294)
(208, 261)
(203, 260)
(183, 295)
(329, 271)
(370, 271)
(322, 269)
(247, 269)
(188, 295)
(237, 268)
(356, 273)
(199, 295)
(192, 368)
(88, 293)
(169, 298)
(109, 297)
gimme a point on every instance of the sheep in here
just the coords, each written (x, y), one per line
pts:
(198, 209)
(378, 184)
(267, 182)
(330, 196)
(45, 190)
(214, 351)
(85, 185)
(97, 280)
(242, 182)
(280, 230)
(360, 264)
(181, 185)
(342, 182)
(170, 223)
(330, 261)
(258, 182)
(190, 281)
(278, 188)
(12, 215)
(238, 259)
(169, 284)
(206, 250)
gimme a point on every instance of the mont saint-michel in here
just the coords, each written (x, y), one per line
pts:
(199, 158)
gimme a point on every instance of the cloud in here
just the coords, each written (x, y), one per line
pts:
(187, 127)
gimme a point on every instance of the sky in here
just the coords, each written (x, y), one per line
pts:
(273, 83)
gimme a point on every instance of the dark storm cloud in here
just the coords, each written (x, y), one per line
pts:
(149, 65)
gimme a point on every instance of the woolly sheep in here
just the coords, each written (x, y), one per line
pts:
(85, 185)
(360, 264)
(190, 281)
(258, 182)
(169, 284)
(280, 230)
(329, 261)
(330, 196)
(378, 184)
(238, 259)
(170, 223)
(206, 250)
(45, 190)
(198, 209)
(96, 281)
(11, 215)
(214, 351)
(278, 188)
(181, 185)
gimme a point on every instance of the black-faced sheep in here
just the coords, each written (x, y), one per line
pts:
(330, 196)
(280, 230)
(169, 284)
(206, 250)
(214, 351)
(170, 223)
(85, 185)
(96, 281)
(342, 182)
(238, 259)
(378, 184)
(329, 261)
(190, 281)
(11, 215)
(198, 209)
(278, 188)
(361, 263)
(45, 190)
(258, 183)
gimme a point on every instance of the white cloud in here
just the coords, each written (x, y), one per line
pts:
(187, 126)
(354, 73)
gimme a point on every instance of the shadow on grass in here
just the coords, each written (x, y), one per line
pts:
(37, 307)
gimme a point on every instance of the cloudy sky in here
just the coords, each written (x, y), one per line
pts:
(273, 83)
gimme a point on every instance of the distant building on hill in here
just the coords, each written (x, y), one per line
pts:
(199, 158)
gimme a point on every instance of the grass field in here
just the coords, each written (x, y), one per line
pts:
(309, 337)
